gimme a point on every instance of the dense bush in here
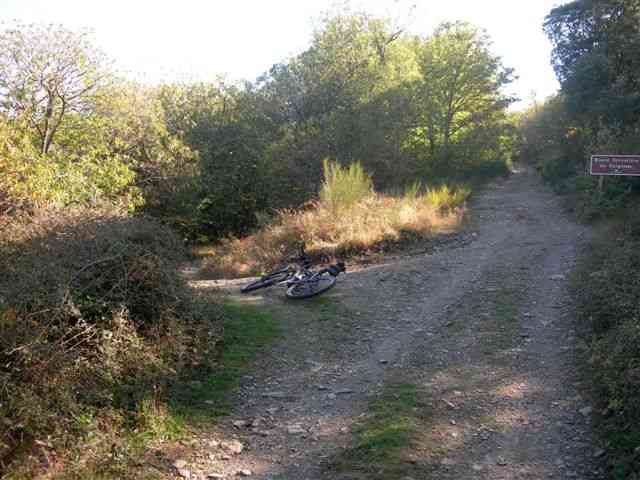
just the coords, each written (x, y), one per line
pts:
(557, 170)
(109, 160)
(350, 219)
(488, 169)
(95, 323)
(607, 288)
(561, 153)
(359, 93)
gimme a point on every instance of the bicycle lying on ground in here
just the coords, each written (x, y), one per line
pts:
(300, 279)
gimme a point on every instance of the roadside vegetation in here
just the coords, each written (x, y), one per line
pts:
(607, 285)
(350, 218)
(105, 184)
(104, 347)
(96, 327)
(597, 111)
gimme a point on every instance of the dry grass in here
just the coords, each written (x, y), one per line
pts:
(372, 224)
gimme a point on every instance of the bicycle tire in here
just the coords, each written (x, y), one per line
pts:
(311, 288)
(266, 281)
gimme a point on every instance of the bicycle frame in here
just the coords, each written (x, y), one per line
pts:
(299, 278)
(301, 275)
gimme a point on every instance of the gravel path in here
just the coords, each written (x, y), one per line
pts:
(482, 325)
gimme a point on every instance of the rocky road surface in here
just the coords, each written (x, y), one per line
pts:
(481, 325)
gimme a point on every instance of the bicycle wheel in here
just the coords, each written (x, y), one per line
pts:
(309, 288)
(266, 281)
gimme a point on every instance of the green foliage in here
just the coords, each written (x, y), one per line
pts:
(65, 180)
(357, 92)
(343, 187)
(556, 170)
(72, 134)
(460, 99)
(607, 287)
(559, 151)
(546, 133)
(212, 157)
(596, 60)
(247, 329)
(595, 204)
(120, 155)
(489, 169)
(233, 184)
(231, 134)
(130, 124)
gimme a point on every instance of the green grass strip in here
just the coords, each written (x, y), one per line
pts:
(384, 435)
(205, 396)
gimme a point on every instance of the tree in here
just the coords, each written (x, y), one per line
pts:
(230, 128)
(47, 72)
(596, 56)
(461, 85)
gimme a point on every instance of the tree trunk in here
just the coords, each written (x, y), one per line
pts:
(445, 142)
(51, 125)
(46, 130)
(432, 141)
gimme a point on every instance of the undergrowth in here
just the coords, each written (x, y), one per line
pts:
(96, 325)
(607, 288)
(349, 219)
(194, 402)
(247, 329)
(583, 196)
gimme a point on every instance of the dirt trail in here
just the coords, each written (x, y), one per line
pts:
(482, 327)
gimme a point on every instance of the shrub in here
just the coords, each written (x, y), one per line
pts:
(488, 169)
(557, 169)
(343, 187)
(590, 203)
(61, 178)
(96, 323)
(374, 223)
(607, 287)
(445, 197)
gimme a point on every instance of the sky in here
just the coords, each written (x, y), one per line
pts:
(168, 40)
